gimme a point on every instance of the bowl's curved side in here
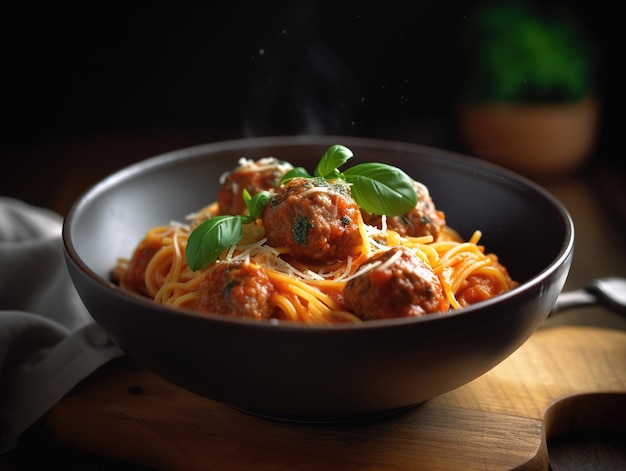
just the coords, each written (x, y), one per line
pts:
(319, 372)
(294, 370)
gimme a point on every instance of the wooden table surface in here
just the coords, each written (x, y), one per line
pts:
(595, 198)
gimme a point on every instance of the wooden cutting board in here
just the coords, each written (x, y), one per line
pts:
(561, 380)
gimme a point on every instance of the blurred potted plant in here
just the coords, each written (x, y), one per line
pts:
(529, 102)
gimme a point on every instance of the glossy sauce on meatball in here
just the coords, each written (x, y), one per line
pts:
(134, 277)
(315, 219)
(423, 220)
(254, 176)
(237, 289)
(399, 284)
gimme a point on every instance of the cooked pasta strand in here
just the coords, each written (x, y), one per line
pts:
(305, 292)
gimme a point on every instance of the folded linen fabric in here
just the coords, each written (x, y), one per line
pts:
(48, 340)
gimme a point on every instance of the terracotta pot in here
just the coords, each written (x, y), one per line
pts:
(535, 140)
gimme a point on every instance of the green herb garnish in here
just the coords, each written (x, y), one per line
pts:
(210, 238)
(299, 231)
(376, 187)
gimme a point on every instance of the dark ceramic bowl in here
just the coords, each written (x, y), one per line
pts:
(320, 373)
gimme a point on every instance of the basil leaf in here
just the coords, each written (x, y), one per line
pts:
(334, 175)
(255, 204)
(332, 159)
(381, 189)
(209, 239)
(294, 173)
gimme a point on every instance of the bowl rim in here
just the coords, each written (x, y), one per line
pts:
(197, 151)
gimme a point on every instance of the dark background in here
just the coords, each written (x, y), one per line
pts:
(188, 73)
(89, 87)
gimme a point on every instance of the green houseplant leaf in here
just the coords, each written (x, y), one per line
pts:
(523, 52)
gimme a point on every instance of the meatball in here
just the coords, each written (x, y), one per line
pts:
(264, 174)
(479, 287)
(422, 220)
(238, 290)
(400, 284)
(134, 277)
(315, 219)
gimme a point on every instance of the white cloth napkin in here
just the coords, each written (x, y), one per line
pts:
(48, 340)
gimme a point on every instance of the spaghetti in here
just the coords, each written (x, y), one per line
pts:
(257, 279)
